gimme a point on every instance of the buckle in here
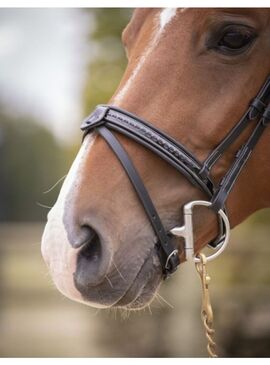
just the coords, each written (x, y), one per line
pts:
(204, 172)
(169, 266)
(258, 105)
(266, 117)
(95, 119)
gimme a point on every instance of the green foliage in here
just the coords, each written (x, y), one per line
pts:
(106, 68)
(31, 162)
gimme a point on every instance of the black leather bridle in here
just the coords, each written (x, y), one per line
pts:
(107, 118)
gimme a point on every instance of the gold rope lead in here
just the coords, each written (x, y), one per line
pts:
(206, 311)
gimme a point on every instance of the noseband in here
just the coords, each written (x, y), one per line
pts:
(106, 119)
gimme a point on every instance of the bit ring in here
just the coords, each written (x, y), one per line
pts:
(186, 231)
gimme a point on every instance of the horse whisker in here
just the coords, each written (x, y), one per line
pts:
(47, 191)
(96, 312)
(125, 313)
(109, 281)
(43, 205)
(119, 272)
(164, 300)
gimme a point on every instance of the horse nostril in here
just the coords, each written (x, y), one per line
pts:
(92, 263)
(91, 250)
(84, 236)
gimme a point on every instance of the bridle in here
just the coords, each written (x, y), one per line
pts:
(107, 118)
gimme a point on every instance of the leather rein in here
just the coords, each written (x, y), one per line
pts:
(107, 119)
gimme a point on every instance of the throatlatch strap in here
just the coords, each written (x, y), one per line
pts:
(164, 245)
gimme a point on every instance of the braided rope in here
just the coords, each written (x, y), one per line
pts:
(209, 333)
(206, 311)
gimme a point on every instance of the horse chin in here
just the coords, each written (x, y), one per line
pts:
(133, 288)
(144, 287)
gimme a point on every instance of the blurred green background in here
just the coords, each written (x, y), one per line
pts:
(56, 65)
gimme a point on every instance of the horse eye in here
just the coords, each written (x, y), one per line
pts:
(235, 40)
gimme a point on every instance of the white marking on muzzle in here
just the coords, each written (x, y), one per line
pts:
(56, 250)
(165, 17)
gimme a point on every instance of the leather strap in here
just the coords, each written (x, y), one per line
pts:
(258, 108)
(106, 118)
(241, 158)
(165, 247)
(224, 145)
(152, 138)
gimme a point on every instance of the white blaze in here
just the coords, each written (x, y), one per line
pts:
(56, 249)
(165, 17)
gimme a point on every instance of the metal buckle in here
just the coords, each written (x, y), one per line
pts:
(186, 231)
(266, 117)
(174, 252)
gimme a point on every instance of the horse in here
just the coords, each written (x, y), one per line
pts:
(193, 74)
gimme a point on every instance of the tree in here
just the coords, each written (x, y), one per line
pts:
(106, 68)
(31, 161)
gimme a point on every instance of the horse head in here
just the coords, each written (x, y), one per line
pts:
(191, 73)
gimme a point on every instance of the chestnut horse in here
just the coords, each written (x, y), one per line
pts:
(192, 73)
